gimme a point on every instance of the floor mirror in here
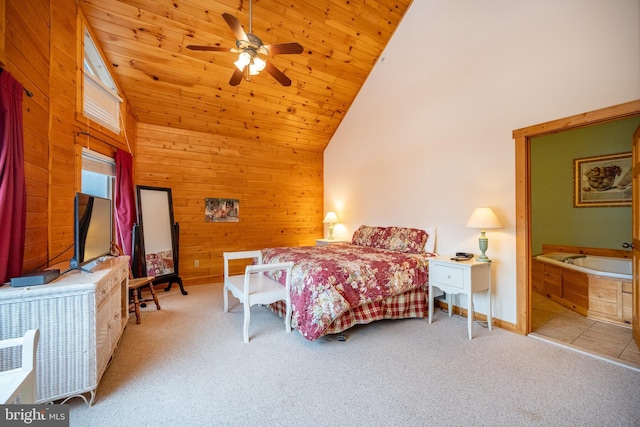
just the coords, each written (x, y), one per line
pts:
(156, 236)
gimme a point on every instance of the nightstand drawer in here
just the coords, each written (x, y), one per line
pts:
(448, 276)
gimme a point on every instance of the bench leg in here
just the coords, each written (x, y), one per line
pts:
(287, 318)
(247, 316)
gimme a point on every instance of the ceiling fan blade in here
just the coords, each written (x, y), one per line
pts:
(236, 78)
(209, 48)
(235, 26)
(284, 48)
(278, 75)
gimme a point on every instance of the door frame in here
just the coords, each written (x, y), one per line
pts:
(522, 139)
(635, 248)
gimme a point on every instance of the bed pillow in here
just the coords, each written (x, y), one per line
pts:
(400, 239)
(410, 240)
(373, 237)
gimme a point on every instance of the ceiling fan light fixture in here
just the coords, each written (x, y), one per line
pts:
(249, 47)
(243, 60)
(256, 65)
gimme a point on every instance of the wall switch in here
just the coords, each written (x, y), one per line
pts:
(196, 263)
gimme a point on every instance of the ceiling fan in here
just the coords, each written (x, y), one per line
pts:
(250, 48)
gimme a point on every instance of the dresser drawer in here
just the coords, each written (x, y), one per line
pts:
(446, 275)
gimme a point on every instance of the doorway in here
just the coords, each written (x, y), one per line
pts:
(561, 218)
(523, 139)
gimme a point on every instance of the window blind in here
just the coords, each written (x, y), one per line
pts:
(101, 104)
(98, 163)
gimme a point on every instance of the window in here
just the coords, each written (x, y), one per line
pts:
(98, 174)
(101, 101)
(98, 177)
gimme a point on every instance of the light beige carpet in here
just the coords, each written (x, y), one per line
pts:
(186, 365)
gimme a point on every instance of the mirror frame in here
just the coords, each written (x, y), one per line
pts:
(152, 201)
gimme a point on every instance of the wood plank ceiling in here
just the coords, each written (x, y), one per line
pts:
(170, 85)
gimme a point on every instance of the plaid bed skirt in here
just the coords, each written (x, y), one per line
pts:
(410, 304)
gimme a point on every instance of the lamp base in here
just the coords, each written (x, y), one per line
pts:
(484, 244)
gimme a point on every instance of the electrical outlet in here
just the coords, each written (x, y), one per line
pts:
(196, 263)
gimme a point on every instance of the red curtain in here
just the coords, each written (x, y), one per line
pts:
(13, 191)
(125, 205)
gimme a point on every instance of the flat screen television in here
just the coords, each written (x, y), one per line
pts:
(92, 229)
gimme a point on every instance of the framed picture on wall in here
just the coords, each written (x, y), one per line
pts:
(221, 210)
(602, 181)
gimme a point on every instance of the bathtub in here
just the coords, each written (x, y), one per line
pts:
(619, 268)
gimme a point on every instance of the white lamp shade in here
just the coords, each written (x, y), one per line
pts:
(259, 63)
(330, 218)
(483, 218)
(243, 60)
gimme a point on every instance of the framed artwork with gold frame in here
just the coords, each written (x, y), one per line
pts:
(602, 181)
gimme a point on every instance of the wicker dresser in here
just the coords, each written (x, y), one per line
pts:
(81, 317)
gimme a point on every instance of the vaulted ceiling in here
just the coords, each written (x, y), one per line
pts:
(170, 85)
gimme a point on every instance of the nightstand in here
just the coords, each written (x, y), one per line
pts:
(328, 241)
(460, 277)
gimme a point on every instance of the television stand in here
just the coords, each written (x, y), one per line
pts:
(81, 318)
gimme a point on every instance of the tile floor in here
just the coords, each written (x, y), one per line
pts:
(551, 320)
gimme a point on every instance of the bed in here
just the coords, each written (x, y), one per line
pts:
(381, 274)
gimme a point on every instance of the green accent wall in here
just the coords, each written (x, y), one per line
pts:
(554, 220)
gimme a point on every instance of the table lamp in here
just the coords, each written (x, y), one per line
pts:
(483, 218)
(331, 218)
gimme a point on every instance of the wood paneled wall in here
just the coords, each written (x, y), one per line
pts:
(41, 48)
(280, 188)
(65, 170)
(280, 191)
(66, 122)
(26, 57)
(2, 30)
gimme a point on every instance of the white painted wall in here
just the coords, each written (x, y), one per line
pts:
(429, 137)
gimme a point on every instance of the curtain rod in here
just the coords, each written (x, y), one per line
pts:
(99, 139)
(27, 91)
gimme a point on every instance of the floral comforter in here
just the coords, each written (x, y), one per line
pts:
(329, 280)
